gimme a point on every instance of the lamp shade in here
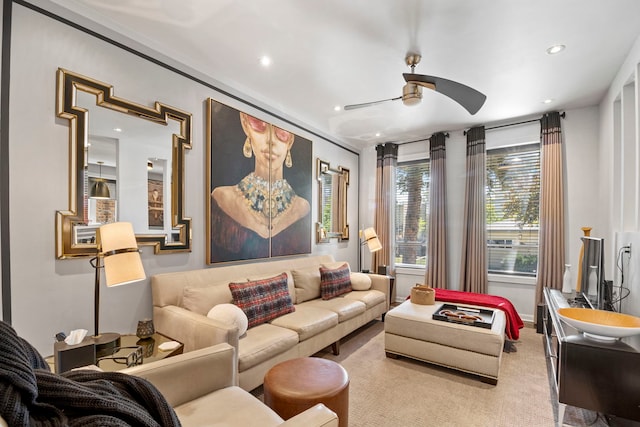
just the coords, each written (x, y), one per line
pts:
(100, 190)
(118, 246)
(370, 237)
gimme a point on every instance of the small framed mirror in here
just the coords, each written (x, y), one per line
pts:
(332, 202)
(126, 163)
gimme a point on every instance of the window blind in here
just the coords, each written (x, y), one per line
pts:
(512, 209)
(411, 216)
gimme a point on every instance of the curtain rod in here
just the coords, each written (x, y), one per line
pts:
(446, 135)
(563, 115)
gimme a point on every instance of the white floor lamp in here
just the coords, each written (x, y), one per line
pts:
(368, 237)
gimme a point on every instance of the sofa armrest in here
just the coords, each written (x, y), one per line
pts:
(381, 283)
(185, 377)
(316, 416)
(193, 330)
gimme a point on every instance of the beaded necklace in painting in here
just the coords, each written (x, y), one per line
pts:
(269, 204)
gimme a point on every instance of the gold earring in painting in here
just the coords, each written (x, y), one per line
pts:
(287, 160)
(246, 148)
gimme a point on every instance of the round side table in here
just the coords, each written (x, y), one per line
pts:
(295, 385)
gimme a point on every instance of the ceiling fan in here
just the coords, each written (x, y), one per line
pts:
(469, 98)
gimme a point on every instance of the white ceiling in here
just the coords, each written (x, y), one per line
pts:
(337, 52)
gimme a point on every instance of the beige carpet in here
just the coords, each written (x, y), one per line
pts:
(403, 392)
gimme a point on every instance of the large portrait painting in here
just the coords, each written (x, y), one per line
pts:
(259, 195)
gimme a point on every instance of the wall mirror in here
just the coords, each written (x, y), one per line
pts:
(126, 164)
(332, 202)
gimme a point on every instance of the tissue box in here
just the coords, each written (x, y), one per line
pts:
(67, 357)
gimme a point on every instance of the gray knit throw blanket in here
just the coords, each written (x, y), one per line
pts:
(31, 395)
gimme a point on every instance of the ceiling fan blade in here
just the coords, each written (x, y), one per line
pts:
(367, 104)
(468, 97)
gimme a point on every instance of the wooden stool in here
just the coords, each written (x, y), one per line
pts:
(295, 385)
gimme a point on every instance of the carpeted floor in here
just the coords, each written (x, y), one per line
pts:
(407, 393)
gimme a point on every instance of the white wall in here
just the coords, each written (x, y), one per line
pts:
(619, 190)
(50, 295)
(366, 197)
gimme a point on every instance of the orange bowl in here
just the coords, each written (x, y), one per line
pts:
(601, 323)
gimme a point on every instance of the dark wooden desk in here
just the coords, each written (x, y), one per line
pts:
(592, 374)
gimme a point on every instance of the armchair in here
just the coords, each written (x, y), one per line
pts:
(202, 387)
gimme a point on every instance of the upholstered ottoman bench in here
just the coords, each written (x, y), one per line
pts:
(411, 331)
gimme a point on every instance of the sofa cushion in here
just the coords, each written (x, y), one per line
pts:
(307, 321)
(230, 314)
(335, 282)
(201, 299)
(262, 343)
(307, 283)
(262, 300)
(345, 308)
(371, 298)
(292, 289)
(360, 281)
(335, 264)
(230, 406)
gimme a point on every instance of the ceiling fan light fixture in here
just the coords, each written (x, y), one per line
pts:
(411, 94)
(466, 96)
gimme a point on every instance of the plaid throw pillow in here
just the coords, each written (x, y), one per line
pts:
(334, 282)
(263, 300)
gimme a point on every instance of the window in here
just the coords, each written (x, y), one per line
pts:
(512, 209)
(411, 216)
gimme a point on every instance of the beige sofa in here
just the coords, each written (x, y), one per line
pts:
(202, 388)
(182, 300)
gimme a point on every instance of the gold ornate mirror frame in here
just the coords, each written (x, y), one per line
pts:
(68, 83)
(332, 202)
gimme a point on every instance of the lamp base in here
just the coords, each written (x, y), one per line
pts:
(106, 343)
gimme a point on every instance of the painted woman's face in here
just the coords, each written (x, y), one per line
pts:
(269, 142)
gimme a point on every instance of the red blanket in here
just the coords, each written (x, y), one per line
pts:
(514, 322)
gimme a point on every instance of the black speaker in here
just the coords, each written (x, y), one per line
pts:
(383, 269)
(540, 318)
(67, 357)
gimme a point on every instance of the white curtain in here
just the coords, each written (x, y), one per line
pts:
(387, 160)
(551, 257)
(436, 271)
(473, 274)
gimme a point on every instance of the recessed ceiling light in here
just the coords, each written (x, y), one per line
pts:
(556, 49)
(377, 133)
(337, 108)
(265, 61)
(117, 129)
(548, 101)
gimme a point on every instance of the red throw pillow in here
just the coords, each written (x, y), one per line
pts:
(263, 300)
(334, 282)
